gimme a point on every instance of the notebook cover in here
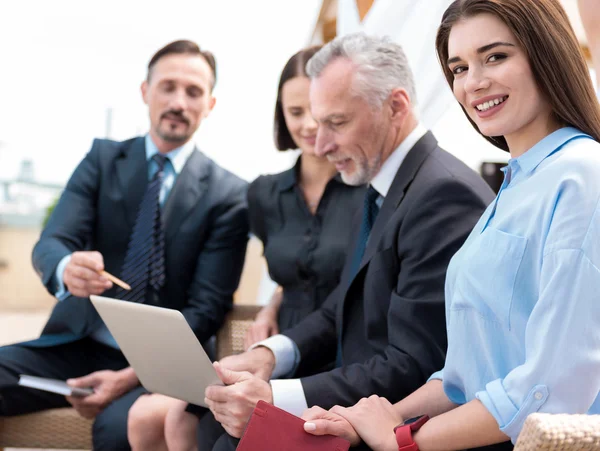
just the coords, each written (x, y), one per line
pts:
(273, 429)
(53, 386)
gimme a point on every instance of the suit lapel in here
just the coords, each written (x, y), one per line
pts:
(404, 177)
(132, 170)
(189, 186)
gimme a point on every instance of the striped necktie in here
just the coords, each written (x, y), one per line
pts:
(144, 263)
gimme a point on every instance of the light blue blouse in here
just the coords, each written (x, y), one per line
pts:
(523, 293)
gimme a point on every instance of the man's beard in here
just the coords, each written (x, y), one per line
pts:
(364, 172)
(167, 134)
(173, 137)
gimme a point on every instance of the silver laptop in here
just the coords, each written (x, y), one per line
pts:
(161, 347)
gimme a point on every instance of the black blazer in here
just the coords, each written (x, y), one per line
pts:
(206, 231)
(394, 330)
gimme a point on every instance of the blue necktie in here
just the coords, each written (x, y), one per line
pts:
(144, 263)
(370, 210)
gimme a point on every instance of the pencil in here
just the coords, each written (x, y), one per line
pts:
(115, 280)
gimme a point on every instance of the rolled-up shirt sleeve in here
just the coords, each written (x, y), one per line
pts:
(562, 347)
(438, 375)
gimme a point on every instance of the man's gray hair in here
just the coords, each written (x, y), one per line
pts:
(381, 66)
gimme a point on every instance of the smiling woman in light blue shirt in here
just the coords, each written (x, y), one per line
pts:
(522, 309)
(522, 293)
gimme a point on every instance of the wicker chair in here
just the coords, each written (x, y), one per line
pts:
(65, 429)
(546, 432)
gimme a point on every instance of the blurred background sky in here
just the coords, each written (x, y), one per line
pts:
(71, 71)
(65, 63)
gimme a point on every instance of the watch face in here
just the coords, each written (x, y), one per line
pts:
(412, 420)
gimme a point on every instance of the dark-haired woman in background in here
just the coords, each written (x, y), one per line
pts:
(302, 216)
(522, 308)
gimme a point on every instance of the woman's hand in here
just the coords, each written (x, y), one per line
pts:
(322, 422)
(263, 327)
(374, 419)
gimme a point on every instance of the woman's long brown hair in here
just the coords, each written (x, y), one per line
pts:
(544, 32)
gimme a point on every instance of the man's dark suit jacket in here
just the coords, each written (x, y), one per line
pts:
(394, 331)
(206, 232)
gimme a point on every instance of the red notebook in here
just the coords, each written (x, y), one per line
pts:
(273, 429)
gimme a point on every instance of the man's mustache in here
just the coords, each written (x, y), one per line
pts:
(176, 115)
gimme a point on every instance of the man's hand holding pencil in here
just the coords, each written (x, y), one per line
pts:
(85, 275)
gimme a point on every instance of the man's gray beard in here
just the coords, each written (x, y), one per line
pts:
(353, 180)
(363, 175)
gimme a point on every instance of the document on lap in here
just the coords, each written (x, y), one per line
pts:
(53, 386)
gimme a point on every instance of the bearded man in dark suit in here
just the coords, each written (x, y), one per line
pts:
(384, 325)
(152, 210)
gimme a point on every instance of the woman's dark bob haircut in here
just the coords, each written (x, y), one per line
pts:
(295, 67)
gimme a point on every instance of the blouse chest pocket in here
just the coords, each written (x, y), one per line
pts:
(486, 279)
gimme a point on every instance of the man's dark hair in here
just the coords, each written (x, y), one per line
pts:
(184, 47)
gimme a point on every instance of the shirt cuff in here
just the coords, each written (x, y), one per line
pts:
(438, 375)
(62, 293)
(511, 418)
(289, 395)
(287, 355)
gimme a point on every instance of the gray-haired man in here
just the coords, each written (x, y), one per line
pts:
(384, 325)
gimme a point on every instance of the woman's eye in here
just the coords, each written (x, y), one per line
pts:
(459, 70)
(495, 58)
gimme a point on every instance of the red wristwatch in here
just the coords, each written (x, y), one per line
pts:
(404, 433)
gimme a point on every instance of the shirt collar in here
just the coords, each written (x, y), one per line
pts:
(385, 177)
(177, 157)
(289, 178)
(544, 148)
